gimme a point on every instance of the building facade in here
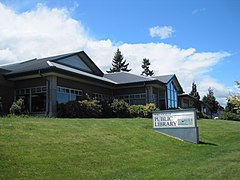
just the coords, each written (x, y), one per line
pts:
(44, 83)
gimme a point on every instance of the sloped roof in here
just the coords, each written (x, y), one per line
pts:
(30, 65)
(43, 63)
(187, 95)
(125, 77)
(53, 64)
(164, 78)
(79, 72)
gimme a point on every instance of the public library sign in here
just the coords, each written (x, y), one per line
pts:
(181, 124)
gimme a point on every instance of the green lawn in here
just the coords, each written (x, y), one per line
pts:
(41, 148)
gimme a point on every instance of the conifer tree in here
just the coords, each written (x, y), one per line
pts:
(145, 65)
(194, 93)
(210, 102)
(118, 63)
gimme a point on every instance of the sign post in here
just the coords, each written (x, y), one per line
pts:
(181, 124)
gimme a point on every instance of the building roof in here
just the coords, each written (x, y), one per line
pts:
(45, 63)
(126, 77)
(85, 69)
(79, 72)
(187, 96)
(164, 78)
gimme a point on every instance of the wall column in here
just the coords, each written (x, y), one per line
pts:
(51, 96)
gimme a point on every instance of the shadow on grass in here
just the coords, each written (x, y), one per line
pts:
(207, 143)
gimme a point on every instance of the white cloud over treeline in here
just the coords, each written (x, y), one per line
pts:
(163, 32)
(45, 31)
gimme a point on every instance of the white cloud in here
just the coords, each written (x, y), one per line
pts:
(43, 32)
(162, 32)
(196, 11)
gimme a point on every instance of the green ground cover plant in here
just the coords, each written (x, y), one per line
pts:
(43, 148)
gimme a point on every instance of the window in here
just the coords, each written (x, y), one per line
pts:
(172, 95)
(34, 98)
(65, 95)
(133, 99)
(75, 62)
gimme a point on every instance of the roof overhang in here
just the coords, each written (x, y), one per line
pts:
(54, 71)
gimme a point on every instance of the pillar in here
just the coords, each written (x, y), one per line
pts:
(51, 96)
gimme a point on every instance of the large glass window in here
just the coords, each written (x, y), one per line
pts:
(39, 102)
(133, 99)
(75, 62)
(34, 98)
(172, 95)
(65, 95)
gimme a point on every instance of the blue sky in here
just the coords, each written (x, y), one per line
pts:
(205, 31)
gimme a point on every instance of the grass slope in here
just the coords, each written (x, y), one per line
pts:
(39, 148)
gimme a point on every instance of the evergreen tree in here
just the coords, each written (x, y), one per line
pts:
(210, 101)
(194, 93)
(118, 63)
(145, 65)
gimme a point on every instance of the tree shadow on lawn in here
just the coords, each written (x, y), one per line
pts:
(207, 143)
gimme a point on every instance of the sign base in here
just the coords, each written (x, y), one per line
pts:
(189, 134)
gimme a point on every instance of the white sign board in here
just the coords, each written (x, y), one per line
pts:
(174, 119)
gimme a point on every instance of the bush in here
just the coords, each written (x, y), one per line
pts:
(150, 108)
(230, 116)
(120, 108)
(70, 109)
(141, 110)
(17, 107)
(201, 115)
(138, 111)
(90, 108)
(107, 111)
(80, 109)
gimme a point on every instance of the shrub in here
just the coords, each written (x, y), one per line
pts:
(150, 108)
(17, 107)
(141, 110)
(137, 111)
(107, 111)
(230, 116)
(120, 108)
(90, 108)
(71, 109)
(201, 115)
(80, 109)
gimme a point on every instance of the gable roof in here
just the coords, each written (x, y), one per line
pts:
(164, 78)
(126, 77)
(60, 64)
(34, 65)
